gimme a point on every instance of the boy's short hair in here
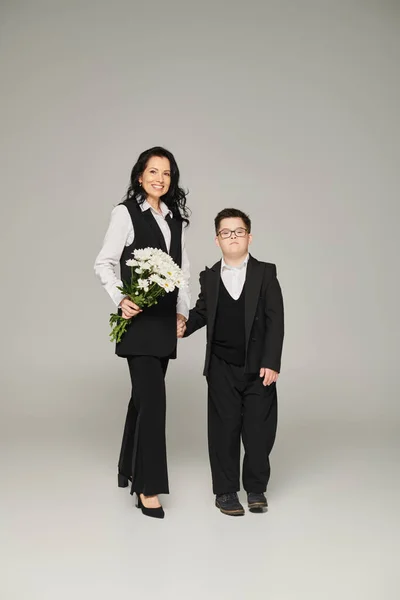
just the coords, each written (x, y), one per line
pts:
(229, 213)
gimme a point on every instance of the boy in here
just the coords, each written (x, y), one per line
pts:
(240, 302)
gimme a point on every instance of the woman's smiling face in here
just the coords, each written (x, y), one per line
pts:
(156, 178)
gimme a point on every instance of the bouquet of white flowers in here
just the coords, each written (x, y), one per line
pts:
(153, 274)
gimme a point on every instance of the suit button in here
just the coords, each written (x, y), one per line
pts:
(253, 339)
(256, 319)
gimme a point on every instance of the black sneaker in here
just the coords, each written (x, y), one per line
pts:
(257, 502)
(229, 504)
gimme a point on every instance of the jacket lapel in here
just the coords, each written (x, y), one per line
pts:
(213, 280)
(254, 277)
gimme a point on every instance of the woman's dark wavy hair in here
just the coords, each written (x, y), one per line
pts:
(175, 198)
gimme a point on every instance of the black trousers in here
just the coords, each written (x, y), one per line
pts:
(143, 457)
(239, 407)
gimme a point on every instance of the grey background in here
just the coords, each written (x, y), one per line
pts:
(288, 110)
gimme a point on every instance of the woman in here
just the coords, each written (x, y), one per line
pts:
(153, 214)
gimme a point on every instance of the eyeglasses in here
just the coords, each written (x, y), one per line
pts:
(227, 233)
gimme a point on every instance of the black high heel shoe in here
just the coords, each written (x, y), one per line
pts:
(157, 513)
(122, 481)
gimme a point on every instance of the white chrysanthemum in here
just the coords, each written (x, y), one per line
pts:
(180, 283)
(143, 284)
(131, 262)
(156, 279)
(168, 286)
(143, 253)
(163, 270)
(158, 260)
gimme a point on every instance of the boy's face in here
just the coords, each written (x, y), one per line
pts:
(235, 244)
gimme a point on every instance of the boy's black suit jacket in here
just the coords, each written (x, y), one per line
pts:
(264, 322)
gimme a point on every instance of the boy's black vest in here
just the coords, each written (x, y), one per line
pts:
(152, 332)
(229, 340)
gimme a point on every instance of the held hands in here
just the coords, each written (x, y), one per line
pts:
(269, 376)
(129, 308)
(180, 325)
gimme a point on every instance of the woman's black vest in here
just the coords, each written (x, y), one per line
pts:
(152, 332)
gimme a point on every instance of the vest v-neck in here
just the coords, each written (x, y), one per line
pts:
(231, 297)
